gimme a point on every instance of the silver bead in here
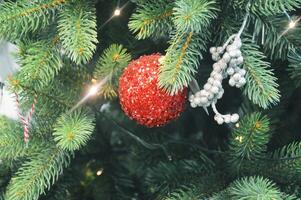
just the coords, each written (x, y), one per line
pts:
(240, 60)
(217, 83)
(220, 120)
(236, 77)
(236, 69)
(234, 118)
(215, 57)
(197, 100)
(218, 117)
(237, 53)
(214, 90)
(198, 94)
(218, 77)
(210, 96)
(207, 86)
(203, 100)
(227, 118)
(232, 82)
(231, 48)
(193, 105)
(204, 93)
(230, 71)
(212, 50)
(242, 81)
(217, 67)
(232, 54)
(213, 73)
(222, 64)
(232, 61)
(237, 43)
(220, 94)
(219, 50)
(191, 98)
(226, 57)
(211, 80)
(242, 72)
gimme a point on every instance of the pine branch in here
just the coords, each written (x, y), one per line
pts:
(275, 36)
(194, 16)
(268, 7)
(198, 187)
(261, 87)
(294, 58)
(222, 195)
(165, 177)
(73, 130)
(181, 61)
(40, 62)
(185, 194)
(20, 18)
(59, 191)
(37, 175)
(58, 97)
(12, 143)
(182, 57)
(252, 188)
(110, 64)
(77, 31)
(152, 19)
(249, 141)
(285, 163)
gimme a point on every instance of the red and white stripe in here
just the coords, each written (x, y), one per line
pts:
(24, 121)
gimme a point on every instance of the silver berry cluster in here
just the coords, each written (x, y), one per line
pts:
(228, 64)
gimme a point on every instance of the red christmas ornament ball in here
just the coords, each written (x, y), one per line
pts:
(140, 97)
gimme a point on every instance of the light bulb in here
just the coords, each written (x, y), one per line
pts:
(239, 138)
(117, 12)
(292, 24)
(93, 90)
(99, 172)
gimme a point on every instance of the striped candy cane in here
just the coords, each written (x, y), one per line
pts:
(25, 121)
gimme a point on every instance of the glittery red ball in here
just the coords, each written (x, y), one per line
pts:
(140, 97)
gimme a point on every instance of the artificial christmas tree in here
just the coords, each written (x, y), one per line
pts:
(72, 54)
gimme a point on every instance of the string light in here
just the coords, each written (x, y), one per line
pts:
(237, 125)
(117, 12)
(99, 172)
(92, 91)
(239, 138)
(292, 24)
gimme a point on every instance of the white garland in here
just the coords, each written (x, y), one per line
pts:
(228, 63)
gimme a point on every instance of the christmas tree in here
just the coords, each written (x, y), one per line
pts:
(152, 99)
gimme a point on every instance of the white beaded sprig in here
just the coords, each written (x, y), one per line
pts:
(228, 63)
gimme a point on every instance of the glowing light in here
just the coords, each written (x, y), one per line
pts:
(99, 172)
(239, 138)
(117, 12)
(237, 125)
(93, 90)
(292, 24)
